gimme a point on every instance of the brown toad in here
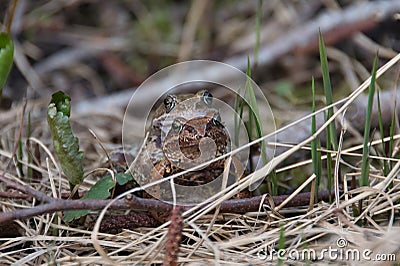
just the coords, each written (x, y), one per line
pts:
(186, 130)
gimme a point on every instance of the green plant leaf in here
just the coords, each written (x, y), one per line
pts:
(100, 191)
(123, 178)
(66, 145)
(6, 58)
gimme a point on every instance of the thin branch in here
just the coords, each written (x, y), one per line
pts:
(26, 189)
(132, 202)
(15, 195)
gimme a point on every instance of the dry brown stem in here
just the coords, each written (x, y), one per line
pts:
(133, 203)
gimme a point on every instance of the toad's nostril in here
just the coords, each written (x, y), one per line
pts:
(207, 97)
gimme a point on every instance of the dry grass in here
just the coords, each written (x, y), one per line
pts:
(208, 239)
(365, 219)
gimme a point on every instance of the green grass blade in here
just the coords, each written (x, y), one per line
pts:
(6, 58)
(237, 105)
(364, 181)
(304, 246)
(254, 111)
(319, 157)
(20, 157)
(255, 114)
(281, 241)
(258, 29)
(254, 119)
(28, 144)
(329, 173)
(274, 182)
(385, 163)
(392, 132)
(314, 144)
(328, 90)
(331, 139)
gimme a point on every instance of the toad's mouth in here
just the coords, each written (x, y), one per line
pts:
(193, 142)
(196, 141)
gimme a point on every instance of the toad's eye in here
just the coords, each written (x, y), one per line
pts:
(207, 97)
(216, 120)
(177, 125)
(169, 103)
(217, 117)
